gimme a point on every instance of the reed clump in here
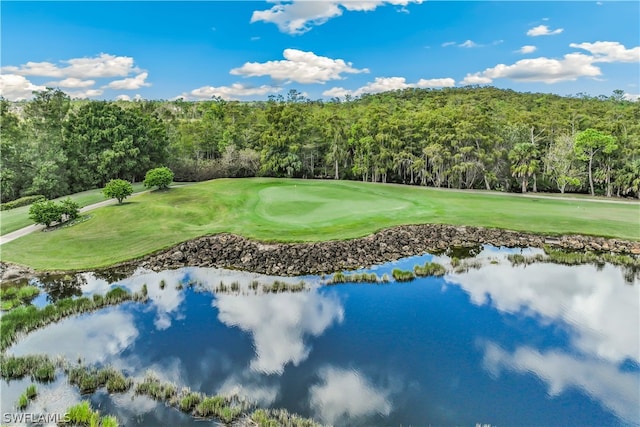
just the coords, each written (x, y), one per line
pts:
(88, 380)
(39, 367)
(354, 278)
(279, 286)
(26, 397)
(429, 269)
(402, 275)
(280, 417)
(15, 296)
(82, 415)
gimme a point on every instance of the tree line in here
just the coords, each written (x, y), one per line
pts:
(472, 137)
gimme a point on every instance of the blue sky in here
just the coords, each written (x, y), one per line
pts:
(250, 50)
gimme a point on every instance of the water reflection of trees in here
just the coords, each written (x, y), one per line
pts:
(62, 286)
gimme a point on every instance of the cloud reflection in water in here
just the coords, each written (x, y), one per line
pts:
(279, 324)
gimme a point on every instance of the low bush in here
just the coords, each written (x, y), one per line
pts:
(22, 201)
(402, 275)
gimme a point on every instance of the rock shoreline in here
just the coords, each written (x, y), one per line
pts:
(293, 259)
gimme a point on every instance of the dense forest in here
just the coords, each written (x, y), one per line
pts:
(471, 137)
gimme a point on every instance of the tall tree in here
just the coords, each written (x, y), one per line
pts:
(589, 144)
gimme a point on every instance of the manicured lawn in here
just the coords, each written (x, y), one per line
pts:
(300, 210)
(18, 218)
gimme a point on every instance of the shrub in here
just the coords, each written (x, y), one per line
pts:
(22, 201)
(158, 177)
(45, 212)
(118, 189)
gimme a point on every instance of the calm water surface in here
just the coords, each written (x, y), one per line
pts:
(538, 345)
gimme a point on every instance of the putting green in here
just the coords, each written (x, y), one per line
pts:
(288, 210)
(319, 205)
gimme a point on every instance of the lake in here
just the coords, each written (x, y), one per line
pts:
(542, 344)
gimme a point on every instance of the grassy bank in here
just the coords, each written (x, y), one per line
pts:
(301, 210)
(18, 218)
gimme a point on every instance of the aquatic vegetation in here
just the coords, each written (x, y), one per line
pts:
(280, 417)
(162, 284)
(89, 380)
(402, 275)
(429, 269)
(280, 286)
(25, 319)
(152, 387)
(39, 367)
(354, 278)
(82, 415)
(467, 264)
(15, 296)
(26, 397)
(189, 401)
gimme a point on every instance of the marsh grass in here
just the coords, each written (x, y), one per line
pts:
(429, 269)
(280, 417)
(15, 296)
(25, 319)
(340, 277)
(88, 380)
(279, 286)
(82, 415)
(39, 367)
(402, 275)
(26, 397)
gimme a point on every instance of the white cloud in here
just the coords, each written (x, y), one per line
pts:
(632, 96)
(610, 51)
(299, 66)
(15, 88)
(468, 44)
(547, 70)
(298, 17)
(131, 83)
(101, 66)
(446, 44)
(83, 94)
(527, 49)
(445, 82)
(123, 97)
(279, 324)
(615, 388)
(385, 84)
(346, 394)
(543, 30)
(72, 82)
(229, 92)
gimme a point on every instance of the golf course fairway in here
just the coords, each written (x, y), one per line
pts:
(293, 210)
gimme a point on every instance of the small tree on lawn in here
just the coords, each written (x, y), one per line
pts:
(118, 189)
(69, 210)
(45, 212)
(158, 177)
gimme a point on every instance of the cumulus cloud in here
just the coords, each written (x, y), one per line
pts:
(609, 51)
(299, 66)
(346, 394)
(615, 388)
(527, 49)
(84, 94)
(631, 96)
(547, 70)
(131, 83)
(72, 82)
(298, 17)
(543, 30)
(229, 92)
(385, 84)
(15, 88)
(101, 66)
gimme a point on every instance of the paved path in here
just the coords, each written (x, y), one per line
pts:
(35, 227)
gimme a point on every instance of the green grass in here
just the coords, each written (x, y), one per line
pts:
(300, 210)
(15, 219)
